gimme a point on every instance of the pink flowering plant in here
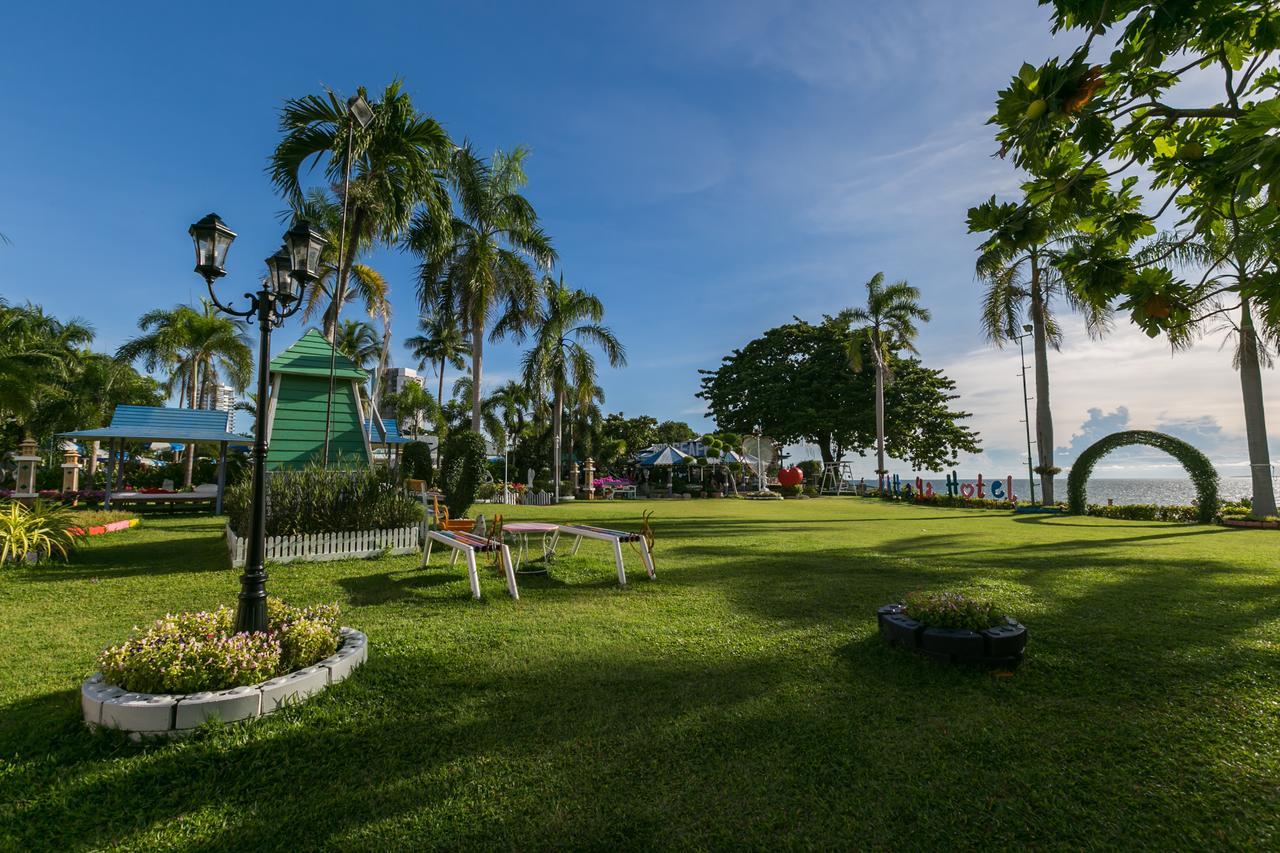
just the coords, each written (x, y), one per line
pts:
(951, 610)
(193, 652)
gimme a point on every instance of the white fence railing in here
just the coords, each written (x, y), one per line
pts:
(343, 545)
(527, 499)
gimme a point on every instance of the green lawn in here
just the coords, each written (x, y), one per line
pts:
(743, 698)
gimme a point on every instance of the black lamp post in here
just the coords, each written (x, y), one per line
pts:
(1026, 412)
(296, 264)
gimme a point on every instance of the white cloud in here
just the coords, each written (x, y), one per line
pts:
(1125, 381)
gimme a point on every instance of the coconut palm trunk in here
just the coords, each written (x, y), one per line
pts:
(557, 418)
(477, 367)
(880, 467)
(189, 462)
(1044, 416)
(1255, 425)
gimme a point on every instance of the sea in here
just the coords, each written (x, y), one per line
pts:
(1167, 492)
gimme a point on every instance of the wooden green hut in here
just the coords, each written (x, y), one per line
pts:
(296, 413)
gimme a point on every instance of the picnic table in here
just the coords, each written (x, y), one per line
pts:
(521, 530)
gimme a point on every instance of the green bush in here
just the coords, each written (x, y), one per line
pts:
(951, 610)
(415, 461)
(486, 491)
(812, 469)
(1146, 512)
(324, 500)
(461, 470)
(40, 530)
(192, 652)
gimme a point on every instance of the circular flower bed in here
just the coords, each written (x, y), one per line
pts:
(190, 667)
(952, 628)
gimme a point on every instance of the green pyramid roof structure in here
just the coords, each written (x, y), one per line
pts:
(310, 356)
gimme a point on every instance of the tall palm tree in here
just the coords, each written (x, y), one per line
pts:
(1022, 285)
(492, 411)
(486, 263)
(1236, 255)
(365, 284)
(440, 343)
(397, 165)
(198, 348)
(885, 324)
(566, 323)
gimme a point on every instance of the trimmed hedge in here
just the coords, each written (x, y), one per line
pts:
(1203, 475)
(415, 461)
(461, 471)
(1146, 512)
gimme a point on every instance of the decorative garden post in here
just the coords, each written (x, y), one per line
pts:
(27, 460)
(70, 469)
(591, 479)
(573, 475)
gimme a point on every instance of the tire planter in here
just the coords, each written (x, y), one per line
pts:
(170, 715)
(1001, 646)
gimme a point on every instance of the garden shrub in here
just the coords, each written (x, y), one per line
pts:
(951, 610)
(1147, 512)
(320, 500)
(812, 469)
(415, 461)
(40, 530)
(193, 652)
(486, 491)
(461, 470)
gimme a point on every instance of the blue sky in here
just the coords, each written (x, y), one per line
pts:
(708, 169)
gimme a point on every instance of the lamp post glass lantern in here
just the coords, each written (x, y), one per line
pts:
(293, 266)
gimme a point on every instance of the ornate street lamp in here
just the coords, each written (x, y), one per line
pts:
(296, 264)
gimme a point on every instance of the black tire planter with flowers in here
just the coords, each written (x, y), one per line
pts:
(1000, 646)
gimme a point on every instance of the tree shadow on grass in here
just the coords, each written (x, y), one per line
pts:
(130, 559)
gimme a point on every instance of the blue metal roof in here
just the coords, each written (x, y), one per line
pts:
(157, 423)
(391, 431)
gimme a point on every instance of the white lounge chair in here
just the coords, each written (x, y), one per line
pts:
(469, 545)
(616, 537)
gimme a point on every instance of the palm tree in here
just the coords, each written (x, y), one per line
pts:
(492, 410)
(1236, 254)
(358, 341)
(414, 404)
(566, 323)
(886, 324)
(441, 342)
(397, 166)
(486, 262)
(1022, 285)
(37, 354)
(198, 348)
(365, 284)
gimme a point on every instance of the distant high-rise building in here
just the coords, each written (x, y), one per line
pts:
(394, 380)
(223, 399)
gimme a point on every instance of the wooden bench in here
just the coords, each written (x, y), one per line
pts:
(616, 537)
(468, 544)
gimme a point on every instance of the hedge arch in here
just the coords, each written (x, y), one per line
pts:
(1197, 464)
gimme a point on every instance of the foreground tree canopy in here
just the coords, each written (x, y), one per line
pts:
(796, 384)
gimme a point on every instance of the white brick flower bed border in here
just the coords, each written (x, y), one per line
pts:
(156, 714)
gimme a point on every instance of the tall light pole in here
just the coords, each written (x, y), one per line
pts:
(357, 108)
(295, 265)
(1026, 411)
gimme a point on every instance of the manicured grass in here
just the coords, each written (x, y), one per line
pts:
(743, 699)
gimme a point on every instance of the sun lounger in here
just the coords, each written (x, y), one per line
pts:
(469, 545)
(616, 537)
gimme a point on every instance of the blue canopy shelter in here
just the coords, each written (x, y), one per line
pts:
(157, 423)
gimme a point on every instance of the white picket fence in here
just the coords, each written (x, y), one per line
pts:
(343, 545)
(529, 499)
